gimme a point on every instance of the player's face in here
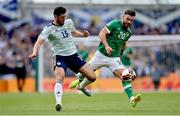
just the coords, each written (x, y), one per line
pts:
(60, 19)
(128, 20)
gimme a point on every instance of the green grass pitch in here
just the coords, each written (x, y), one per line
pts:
(99, 104)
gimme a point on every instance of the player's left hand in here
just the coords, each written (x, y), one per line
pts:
(85, 33)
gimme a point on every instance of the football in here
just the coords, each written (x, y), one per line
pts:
(128, 75)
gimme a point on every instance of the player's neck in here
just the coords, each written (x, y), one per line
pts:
(55, 23)
(124, 26)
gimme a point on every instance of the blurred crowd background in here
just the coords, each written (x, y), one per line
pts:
(19, 32)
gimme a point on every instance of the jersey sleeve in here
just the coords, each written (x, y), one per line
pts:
(44, 34)
(112, 25)
(70, 24)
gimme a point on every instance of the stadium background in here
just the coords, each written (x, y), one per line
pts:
(156, 43)
(156, 54)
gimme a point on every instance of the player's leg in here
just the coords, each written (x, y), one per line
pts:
(126, 85)
(59, 70)
(95, 63)
(118, 69)
(78, 65)
(59, 75)
(74, 83)
(58, 91)
(80, 77)
(23, 83)
(23, 76)
(90, 77)
(19, 83)
(20, 78)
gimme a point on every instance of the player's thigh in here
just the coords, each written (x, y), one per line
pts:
(74, 62)
(94, 63)
(97, 61)
(87, 72)
(59, 67)
(116, 66)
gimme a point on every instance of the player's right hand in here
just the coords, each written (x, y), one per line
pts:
(33, 55)
(109, 50)
(85, 33)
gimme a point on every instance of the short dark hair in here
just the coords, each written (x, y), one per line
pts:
(59, 10)
(130, 12)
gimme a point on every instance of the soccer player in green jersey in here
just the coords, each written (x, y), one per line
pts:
(113, 42)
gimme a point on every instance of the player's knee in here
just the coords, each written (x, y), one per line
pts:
(126, 73)
(59, 78)
(92, 77)
(59, 74)
(118, 72)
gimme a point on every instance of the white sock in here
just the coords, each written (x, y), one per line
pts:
(78, 75)
(131, 98)
(84, 83)
(58, 92)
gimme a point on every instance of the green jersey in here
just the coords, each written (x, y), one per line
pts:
(116, 38)
(125, 57)
(83, 54)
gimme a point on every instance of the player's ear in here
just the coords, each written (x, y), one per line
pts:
(55, 16)
(124, 16)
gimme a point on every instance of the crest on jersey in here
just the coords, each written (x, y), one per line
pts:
(127, 34)
(51, 37)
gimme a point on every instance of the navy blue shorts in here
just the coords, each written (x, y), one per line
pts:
(73, 62)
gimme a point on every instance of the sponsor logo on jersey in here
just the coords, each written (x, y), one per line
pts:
(58, 63)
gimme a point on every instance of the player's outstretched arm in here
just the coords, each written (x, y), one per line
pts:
(36, 47)
(77, 33)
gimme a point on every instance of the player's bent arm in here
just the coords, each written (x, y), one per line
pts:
(102, 36)
(36, 47)
(77, 33)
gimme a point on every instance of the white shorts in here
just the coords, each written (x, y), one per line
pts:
(99, 60)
